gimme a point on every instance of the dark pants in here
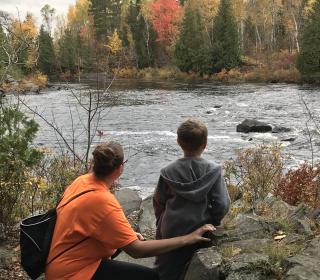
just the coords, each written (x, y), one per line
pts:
(116, 270)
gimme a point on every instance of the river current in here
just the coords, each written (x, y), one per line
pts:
(144, 116)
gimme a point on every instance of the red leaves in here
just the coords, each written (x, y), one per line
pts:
(301, 185)
(165, 16)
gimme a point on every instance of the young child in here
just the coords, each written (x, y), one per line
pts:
(191, 192)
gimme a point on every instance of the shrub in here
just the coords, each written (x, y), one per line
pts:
(255, 172)
(17, 158)
(40, 79)
(301, 185)
(47, 183)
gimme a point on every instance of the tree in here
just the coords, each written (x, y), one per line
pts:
(47, 14)
(143, 35)
(106, 16)
(17, 156)
(226, 47)
(46, 60)
(24, 37)
(67, 52)
(309, 58)
(165, 16)
(3, 55)
(191, 50)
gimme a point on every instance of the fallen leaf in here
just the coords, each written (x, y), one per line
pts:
(280, 237)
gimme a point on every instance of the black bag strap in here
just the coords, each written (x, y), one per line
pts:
(76, 244)
(74, 197)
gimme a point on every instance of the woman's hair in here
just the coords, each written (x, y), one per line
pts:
(106, 158)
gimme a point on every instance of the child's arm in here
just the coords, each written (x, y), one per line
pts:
(159, 199)
(220, 199)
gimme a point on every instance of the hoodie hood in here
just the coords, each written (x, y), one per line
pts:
(196, 183)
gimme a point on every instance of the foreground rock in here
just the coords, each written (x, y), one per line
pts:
(249, 125)
(205, 265)
(129, 200)
(148, 262)
(147, 223)
(305, 265)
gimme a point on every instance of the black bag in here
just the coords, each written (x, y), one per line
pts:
(35, 240)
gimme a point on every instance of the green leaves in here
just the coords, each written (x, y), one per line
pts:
(309, 58)
(226, 47)
(17, 156)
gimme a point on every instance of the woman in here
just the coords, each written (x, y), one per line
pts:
(91, 226)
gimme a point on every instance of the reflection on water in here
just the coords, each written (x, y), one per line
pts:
(144, 116)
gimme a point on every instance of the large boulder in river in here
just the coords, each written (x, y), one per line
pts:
(249, 125)
(280, 129)
(129, 200)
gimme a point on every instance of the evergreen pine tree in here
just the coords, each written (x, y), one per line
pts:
(226, 47)
(67, 54)
(3, 56)
(191, 51)
(46, 60)
(143, 35)
(106, 16)
(309, 58)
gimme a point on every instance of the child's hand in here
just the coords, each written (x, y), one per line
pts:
(198, 235)
(140, 236)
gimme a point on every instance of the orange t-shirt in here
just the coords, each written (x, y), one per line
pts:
(97, 215)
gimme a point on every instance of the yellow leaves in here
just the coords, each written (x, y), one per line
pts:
(78, 14)
(37, 182)
(114, 43)
(27, 29)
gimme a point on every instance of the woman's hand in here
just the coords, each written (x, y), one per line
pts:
(197, 235)
(140, 236)
(139, 249)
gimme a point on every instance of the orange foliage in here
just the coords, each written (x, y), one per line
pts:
(301, 185)
(165, 16)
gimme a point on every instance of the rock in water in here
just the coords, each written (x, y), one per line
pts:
(253, 126)
(205, 264)
(280, 129)
(129, 200)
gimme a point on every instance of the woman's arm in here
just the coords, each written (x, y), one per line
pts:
(144, 249)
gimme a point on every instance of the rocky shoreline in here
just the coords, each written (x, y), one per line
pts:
(283, 243)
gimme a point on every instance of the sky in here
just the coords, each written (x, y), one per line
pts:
(34, 6)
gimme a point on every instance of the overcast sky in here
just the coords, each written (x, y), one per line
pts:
(34, 6)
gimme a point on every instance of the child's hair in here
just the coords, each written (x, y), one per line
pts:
(192, 135)
(106, 158)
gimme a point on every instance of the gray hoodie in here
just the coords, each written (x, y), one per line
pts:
(190, 193)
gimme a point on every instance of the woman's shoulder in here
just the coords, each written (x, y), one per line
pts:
(102, 200)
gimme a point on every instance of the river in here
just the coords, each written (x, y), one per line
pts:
(144, 117)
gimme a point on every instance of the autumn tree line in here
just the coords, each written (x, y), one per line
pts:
(194, 36)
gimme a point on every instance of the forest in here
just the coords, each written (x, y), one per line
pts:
(251, 40)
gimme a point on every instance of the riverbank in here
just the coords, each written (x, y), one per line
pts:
(33, 83)
(238, 75)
